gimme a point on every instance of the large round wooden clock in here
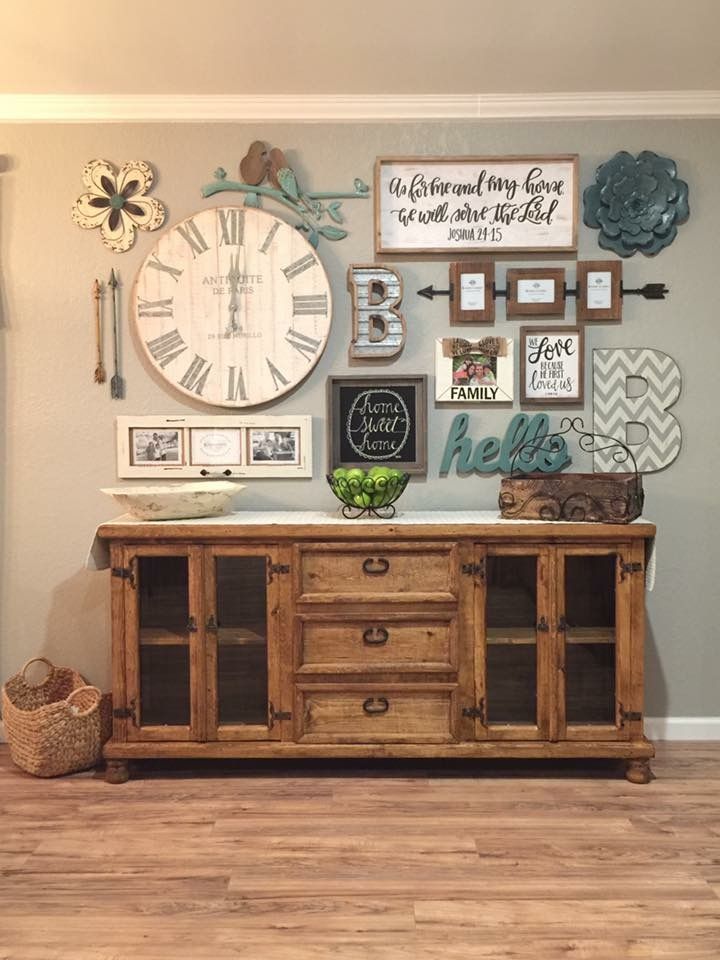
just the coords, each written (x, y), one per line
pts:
(233, 306)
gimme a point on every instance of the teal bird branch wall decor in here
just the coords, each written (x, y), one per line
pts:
(260, 165)
(636, 203)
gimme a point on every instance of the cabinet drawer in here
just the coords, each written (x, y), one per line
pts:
(378, 571)
(376, 644)
(370, 713)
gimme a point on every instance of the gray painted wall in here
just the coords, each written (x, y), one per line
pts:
(57, 440)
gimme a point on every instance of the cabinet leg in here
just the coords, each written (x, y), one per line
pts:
(116, 771)
(638, 771)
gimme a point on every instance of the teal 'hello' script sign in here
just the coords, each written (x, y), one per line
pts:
(493, 454)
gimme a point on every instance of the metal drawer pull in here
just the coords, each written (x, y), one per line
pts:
(376, 567)
(372, 706)
(375, 636)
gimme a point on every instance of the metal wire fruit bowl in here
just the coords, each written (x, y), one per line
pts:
(366, 496)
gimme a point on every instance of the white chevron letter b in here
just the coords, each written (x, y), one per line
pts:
(614, 408)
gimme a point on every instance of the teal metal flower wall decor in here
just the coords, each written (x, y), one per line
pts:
(260, 164)
(636, 203)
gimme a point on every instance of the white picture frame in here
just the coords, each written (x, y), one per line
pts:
(212, 446)
(474, 377)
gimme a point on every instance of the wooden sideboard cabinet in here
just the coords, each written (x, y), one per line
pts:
(430, 635)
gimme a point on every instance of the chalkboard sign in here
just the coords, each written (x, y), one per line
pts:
(378, 420)
(479, 204)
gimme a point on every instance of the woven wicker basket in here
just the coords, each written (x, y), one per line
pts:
(58, 725)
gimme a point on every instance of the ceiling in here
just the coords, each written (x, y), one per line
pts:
(373, 47)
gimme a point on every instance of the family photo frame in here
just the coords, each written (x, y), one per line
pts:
(479, 371)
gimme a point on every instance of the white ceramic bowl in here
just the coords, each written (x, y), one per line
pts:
(200, 498)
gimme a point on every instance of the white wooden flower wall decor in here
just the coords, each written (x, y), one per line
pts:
(116, 202)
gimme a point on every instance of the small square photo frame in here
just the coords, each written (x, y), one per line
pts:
(156, 445)
(472, 285)
(278, 446)
(552, 365)
(473, 375)
(535, 292)
(215, 446)
(599, 291)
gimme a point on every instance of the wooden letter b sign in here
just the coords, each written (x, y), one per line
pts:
(378, 327)
(636, 387)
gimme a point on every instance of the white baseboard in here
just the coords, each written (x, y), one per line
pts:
(682, 728)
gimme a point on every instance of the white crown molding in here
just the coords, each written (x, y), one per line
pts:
(95, 108)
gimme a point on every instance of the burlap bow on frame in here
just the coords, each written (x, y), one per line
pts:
(488, 347)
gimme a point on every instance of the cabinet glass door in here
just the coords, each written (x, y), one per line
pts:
(162, 612)
(593, 631)
(516, 631)
(241, 645)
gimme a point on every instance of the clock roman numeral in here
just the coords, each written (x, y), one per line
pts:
(269, 238)
(232, 226)
(156, 264)
(310, 304)
(190, 233)
(304, 263)
(196, 375)
(278, 378)
(307, 346)
(166, 347)
(155, 308)
(236, 385)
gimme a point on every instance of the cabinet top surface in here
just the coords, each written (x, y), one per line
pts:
(431, 523)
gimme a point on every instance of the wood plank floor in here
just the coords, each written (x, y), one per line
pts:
(389, 861)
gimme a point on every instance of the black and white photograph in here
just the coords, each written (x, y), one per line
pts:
(153, 446)
(273, 446)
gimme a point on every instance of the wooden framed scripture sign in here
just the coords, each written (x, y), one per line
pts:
(535, 292)
(476, 204)
(599, 290)
(552, 362)
(377, 420)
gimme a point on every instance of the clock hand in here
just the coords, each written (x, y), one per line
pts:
(234, 276)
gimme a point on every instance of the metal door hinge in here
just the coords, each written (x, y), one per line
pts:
(474, 570)
(629, 715)
(276, 569)
(277, 715)
(126, 713)
(191, 625)
(477, 713)
(630, 568)
(124, 573)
